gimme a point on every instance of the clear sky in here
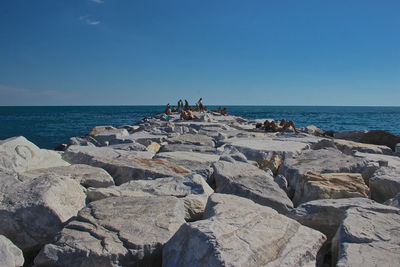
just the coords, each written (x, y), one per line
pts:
(144, 52)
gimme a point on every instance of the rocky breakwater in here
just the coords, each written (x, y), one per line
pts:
(208, 192)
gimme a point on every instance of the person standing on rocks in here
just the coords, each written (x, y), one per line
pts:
(180, 105)
(200, 103)
(187, 107)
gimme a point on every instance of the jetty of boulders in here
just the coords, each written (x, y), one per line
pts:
(213, 191)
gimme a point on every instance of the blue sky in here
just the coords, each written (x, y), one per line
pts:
(144, 52)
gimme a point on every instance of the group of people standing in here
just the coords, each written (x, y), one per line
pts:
(186, 110)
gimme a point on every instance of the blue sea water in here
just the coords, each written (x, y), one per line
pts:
(50, 126)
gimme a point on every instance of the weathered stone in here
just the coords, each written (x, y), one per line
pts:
(10, 255)
(394, 202)
(314, 130)
(18, 154)
(350, 147)
(86, 175)
(355, 135)
(382, 160)
(32, 212)
(117, 231)
(124, 165)
(323, 161)
(314, 186)
(325, 215)
(192, 189)
(238, 232)
(100, 129)
(274, 163)
(380, 137)
(385, 183)
(153, 147)
(282, 182)
(192, 139)
(368, 238)
(188, 148)
(248, 181)
(199, 163)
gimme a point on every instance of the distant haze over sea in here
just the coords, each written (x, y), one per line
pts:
(50, 126)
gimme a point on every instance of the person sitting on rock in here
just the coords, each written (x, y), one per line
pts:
(283, 125)
(224, 112)
(168, 110)
(188, 115)
(174, 109)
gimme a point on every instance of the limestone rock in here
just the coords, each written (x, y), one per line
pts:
(238, 232)
(382, 160)
(325, 215)
(385, 183)
(192, 139)
(349, 147)
(323, 161)
(188, 148)
(368, 238)
(124, 166)
(153, 147)
(192, 189)
(10, 255)
(199, 163)
(116, 231)
(33, 211)
(19, 155)
(248, 181)
(100, 129)
(86, 175)
(314, 186)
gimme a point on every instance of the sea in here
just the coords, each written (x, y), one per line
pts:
(49, 126)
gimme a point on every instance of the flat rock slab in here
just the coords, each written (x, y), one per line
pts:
(10, 255)
(19, 155)
(117, 231)
(263, 148)
(86, 175)
(314, 186)
(32, 212)
(385, 183)
(327, 160)
(192, 189)
(326, 215)
(246, 180)
(187, 148)
(238, 232)
(123, 168)
(368, 238)
(199, 163)
(192, 139)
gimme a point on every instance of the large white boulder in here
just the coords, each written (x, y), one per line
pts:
(10, 254)
(368, 238)
(19, 155)
(385, 183)
(33, 211)
(116, 231)
(238, 232)
(246, 180)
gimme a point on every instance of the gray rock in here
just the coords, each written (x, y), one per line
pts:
(199, 163)
(124, 166)
(368, 238)
(238, 232)
(394, 202)
(187, 148)
(385, 184)
(382, 160)
(325, 215)
(349, 147)
(192, 189)
(32, 212)
(10, 255)
(86, 175)
(19, 155)
(282, 182)
(117, 231)
(350, 135)
(248, 181)
(192, 139)
(322, 161)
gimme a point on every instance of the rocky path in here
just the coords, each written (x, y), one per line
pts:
(206, 192)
